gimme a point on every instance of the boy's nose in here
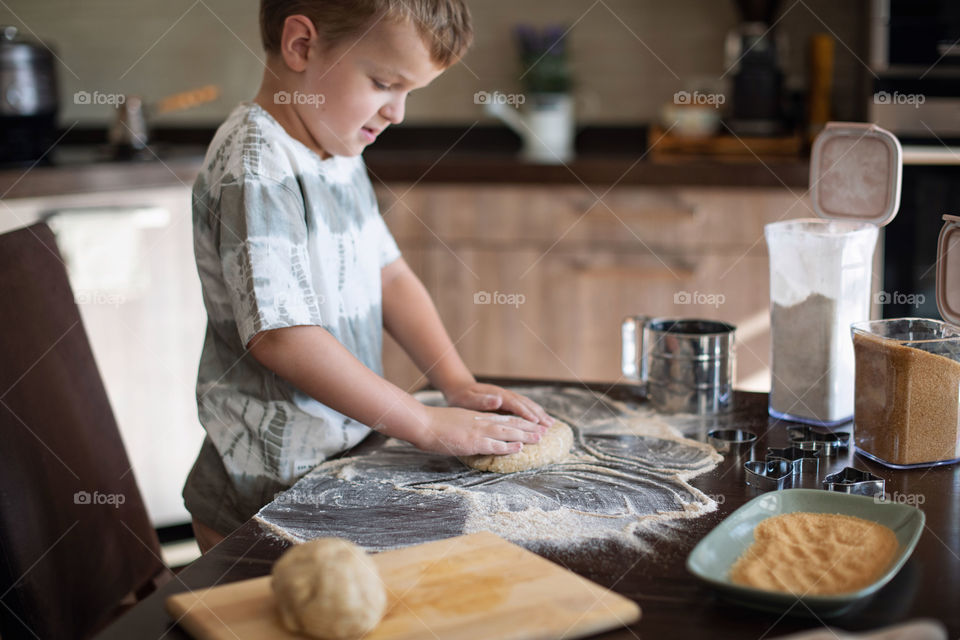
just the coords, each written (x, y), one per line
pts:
(393, 111)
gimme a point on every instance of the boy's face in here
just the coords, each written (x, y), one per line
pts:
(364, 85)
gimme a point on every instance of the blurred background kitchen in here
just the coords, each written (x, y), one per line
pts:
(629, 168)
(628, 56)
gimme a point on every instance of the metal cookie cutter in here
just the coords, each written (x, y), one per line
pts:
(827, 443)
(769, 475)
(731, 440)
(802, 460)
(855, 481)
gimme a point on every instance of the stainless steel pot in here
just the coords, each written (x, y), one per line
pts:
(28, 97)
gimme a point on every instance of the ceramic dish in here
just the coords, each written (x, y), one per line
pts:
(712, 558)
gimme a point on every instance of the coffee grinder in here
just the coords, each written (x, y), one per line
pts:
(753, 54)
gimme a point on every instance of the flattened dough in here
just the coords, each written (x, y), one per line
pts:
(553, 447)
(328, 588)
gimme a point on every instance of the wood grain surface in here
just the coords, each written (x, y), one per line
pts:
(475, 586)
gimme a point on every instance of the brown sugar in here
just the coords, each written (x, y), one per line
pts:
(906, 409)
(815, 554)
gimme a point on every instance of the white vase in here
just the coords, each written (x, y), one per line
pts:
(546, 126)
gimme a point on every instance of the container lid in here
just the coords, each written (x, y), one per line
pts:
(948, 271)
(855, 173)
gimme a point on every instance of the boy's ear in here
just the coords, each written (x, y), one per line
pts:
(299, 35)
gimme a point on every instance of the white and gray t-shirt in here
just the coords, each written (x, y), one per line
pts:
(282, 238)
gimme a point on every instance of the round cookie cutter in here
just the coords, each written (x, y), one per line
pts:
(727, 440)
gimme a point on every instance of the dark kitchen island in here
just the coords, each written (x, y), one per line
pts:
(674, 603)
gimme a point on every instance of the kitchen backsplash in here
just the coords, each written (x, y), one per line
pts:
(628, 56)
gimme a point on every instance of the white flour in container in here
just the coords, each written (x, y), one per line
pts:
(805, 341)
(820, 282)
(813, 364)
(626, 480)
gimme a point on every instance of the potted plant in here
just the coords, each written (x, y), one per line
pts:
(546, 121)
(543, 58)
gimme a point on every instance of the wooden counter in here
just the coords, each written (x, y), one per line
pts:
(675, 604)
(181, 165)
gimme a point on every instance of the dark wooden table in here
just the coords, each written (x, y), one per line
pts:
(674, 603)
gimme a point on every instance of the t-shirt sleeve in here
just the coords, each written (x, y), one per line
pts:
(263, 253)
(389, 251)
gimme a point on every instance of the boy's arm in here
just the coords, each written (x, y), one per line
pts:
(315, 362)
(410, 316)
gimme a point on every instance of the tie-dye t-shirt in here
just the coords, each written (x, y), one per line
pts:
(282, 238)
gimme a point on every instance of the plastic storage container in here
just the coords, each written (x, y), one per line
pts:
(820, 283)
(821, 271)
(908, 376)
(908, 391)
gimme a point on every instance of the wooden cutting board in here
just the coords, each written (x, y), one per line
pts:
(474, 586)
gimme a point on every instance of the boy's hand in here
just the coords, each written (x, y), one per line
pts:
(458, 432)
(490, 397)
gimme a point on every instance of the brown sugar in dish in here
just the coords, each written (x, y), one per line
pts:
(815, 554)
(906, 409)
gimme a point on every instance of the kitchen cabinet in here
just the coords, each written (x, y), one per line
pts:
(534, 281)
(129, 256)
(530, 280)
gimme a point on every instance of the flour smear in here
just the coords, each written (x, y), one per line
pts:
(625, 481)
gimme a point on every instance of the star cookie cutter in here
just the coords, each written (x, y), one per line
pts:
(827, 443)
(802, 460)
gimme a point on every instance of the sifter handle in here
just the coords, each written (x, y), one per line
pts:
(631, 346)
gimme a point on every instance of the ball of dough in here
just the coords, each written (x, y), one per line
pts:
(328, 588)
(554, 446)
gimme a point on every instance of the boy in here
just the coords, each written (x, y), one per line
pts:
(300, 274)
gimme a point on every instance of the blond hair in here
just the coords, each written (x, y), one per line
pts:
(444, 25)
